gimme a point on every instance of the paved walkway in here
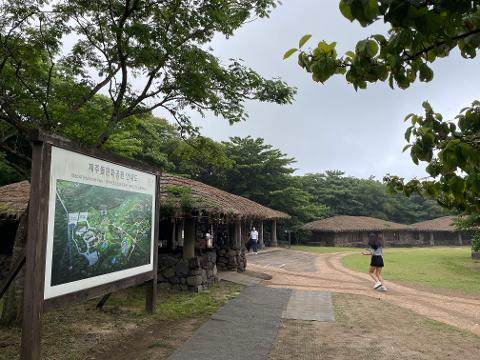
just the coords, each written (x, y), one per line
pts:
(238, 278)
(243, 329)
(309, 305)
(246, 327)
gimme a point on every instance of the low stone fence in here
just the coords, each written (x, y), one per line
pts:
(195, 274)
(231, 259)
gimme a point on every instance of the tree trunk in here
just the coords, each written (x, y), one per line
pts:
(13, 304)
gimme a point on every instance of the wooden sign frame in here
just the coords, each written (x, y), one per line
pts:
(34, 303)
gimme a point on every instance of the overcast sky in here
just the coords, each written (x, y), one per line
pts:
(331, 126)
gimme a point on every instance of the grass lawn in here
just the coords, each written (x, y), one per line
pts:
(440, 268)
(450, 268)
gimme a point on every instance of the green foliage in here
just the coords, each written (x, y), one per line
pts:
(476, 242)
(452, 153)
(344, 195)
(7, 174)
(180, 195)
(420, 33)
(143, 55)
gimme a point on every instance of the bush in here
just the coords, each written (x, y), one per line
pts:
(476, 242)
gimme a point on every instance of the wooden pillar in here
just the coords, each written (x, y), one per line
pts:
(189, 240)
(260, 235)
(274, 233)
(432, 239)
(238, 234)
(180, 232)
(35, 254)
(460, 240)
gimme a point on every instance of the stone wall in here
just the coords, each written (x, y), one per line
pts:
(195, 274)
(231, 259)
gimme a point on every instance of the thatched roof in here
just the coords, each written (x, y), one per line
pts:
(345, 223)
(14, 199)
(444, 223)
(176, 192)
(207, 199)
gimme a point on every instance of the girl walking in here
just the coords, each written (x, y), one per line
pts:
(375, 244)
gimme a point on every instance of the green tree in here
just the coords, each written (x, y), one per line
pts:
(420, 32)
(57, 56)
(258, 168)
(346, 195)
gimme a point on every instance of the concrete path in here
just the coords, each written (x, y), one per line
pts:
(309, 305)
(246, 327)
(238, 278)
(243, 329)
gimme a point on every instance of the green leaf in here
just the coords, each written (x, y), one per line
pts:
(346, 10)
(372, 48)
(408, 133)
(303, 40)
(426, 74)
(351, 54)
(406, 147)
(289, 53)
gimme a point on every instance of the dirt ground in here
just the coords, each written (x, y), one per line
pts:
(367, 328)
(155, 342)
(328, 274)
(122, 330)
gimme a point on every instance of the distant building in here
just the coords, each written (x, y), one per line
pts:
(352, 231)
(440, 232)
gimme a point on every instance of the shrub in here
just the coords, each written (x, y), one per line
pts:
(476, 242)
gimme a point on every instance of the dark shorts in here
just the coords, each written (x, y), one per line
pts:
(377, 261)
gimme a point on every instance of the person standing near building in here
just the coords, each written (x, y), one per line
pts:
(254, 239)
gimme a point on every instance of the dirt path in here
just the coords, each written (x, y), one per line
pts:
(331, 275)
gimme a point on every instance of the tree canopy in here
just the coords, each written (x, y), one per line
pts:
(347, 195)
(420, 32)
(65, 64)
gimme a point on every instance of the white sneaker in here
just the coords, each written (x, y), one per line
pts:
(383, 288)
(254, 253)
(377, 285)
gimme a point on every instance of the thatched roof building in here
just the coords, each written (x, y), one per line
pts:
(346, 223)
(345, 230)
(353, 231)
(177, 193)
(181, 193)
(444, 223)
(14, 199)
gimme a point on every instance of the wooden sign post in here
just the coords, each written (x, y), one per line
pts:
(57, 162)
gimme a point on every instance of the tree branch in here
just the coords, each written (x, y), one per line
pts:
(440, 43)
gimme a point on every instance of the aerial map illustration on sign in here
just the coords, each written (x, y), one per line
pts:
(99, 230)
(101, 219)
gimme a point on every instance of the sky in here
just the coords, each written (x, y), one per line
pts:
(330, 126)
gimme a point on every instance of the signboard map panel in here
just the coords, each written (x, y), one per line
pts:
(100, 223)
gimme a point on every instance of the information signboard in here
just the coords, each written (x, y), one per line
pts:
(100, 223)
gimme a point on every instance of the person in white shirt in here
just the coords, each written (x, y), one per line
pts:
(254, 239)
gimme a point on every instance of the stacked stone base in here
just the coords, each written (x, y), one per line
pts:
(231, 259)
(195, 274)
